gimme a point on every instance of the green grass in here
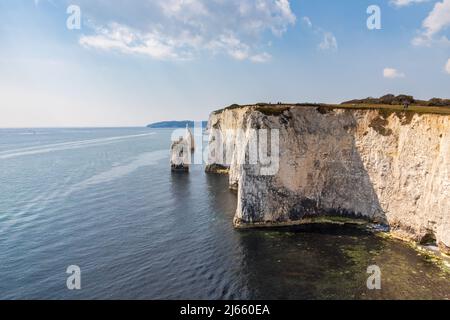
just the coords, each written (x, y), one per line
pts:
(272, 110)
(396, 108)
(277, 109)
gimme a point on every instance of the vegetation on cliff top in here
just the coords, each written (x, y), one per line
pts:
(271, 108)
(389, 103)
(391, 99)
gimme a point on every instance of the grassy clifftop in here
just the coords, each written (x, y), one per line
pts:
(275, 109)
(433, 106)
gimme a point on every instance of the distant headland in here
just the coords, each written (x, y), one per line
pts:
(175, 124)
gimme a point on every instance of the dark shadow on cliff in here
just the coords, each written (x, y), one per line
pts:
(351, 173)
(221, 198)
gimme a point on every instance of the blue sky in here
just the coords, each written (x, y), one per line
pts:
(133, 63)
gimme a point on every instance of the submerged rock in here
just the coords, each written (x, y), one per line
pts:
(217, 169)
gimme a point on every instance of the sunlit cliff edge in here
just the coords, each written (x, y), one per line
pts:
(375, 162)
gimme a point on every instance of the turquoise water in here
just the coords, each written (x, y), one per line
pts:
(105, 200)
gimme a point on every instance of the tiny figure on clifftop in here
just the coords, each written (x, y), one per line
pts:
(405, 105)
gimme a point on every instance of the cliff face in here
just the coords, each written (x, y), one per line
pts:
(391, 168)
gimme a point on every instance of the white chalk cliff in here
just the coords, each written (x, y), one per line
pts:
(383, 166)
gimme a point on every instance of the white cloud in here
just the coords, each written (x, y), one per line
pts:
(183, 29)
(447, 67)
(392, 73)
(329, 42)
(183, 8)
(307, 21)
(437, 21)
(261, 58)
(126, 40)
(230, 44)
(38, 2)
(405, 3)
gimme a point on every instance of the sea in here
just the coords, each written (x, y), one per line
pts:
(105, 201)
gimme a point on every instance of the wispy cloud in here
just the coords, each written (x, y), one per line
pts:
(130, 41)
(328, 42)
(307, 21)
(37, 2)
(405, 3)
(447, 67)
(261, 58)
(182, 29)
(437, 21)
(391, 73)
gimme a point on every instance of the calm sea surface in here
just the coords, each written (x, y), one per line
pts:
(106, 201)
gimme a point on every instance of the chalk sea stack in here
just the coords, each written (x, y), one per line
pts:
(181, 152)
